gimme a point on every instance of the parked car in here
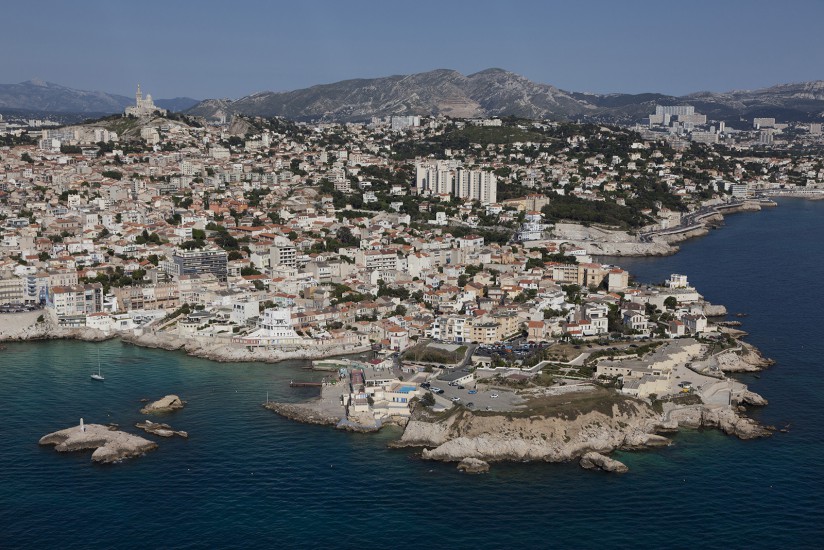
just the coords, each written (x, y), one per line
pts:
(472, 392)
(460, 387)
(456, 399)
(494, 396)
(433, 389)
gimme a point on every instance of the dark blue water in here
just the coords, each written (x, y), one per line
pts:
(248, 478)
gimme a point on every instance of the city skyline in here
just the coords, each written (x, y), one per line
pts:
(209, 50)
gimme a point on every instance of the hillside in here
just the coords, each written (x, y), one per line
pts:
(443, 91)
(498, 92)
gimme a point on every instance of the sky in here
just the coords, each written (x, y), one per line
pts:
(207, 48)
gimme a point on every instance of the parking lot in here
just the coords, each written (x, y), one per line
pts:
(506, 400)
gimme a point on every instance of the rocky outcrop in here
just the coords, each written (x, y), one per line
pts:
(162, 430)
(597, 461)
(725, 418)
(646, 441)
(165, 404)
(519, 437)
(473, 466)
(752, 398)
(631, 424)
(110, 445)
(359, 423)
(302, 413)
(712, 310)
(745, 359)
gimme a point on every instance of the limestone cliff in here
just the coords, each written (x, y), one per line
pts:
(551, 437)
(522, 437)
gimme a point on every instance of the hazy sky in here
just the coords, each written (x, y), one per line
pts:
(235, 47)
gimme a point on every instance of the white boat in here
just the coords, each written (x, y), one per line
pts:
(97, 375)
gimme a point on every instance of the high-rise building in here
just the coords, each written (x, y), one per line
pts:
(447, 177)
(200, 261)
(436, 177)
(674, 110)
(479, 185)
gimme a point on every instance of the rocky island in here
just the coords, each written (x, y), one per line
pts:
(165, 404)
(110, 445)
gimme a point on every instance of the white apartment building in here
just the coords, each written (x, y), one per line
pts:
(283, 255)
(478, 185)
(448, 177)
(377, 259)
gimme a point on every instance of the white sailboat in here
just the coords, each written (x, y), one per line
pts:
(97, 375)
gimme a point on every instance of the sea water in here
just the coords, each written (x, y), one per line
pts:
(249, 478)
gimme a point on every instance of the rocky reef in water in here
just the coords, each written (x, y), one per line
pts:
(109, 444)
(159, 429)
(165, 404)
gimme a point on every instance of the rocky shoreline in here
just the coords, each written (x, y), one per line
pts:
(25, 327)
(473, 439)
(303, 413)
(531, 438)
(307, 413)
(223, 352)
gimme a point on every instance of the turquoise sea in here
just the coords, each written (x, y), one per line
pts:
(248, 478)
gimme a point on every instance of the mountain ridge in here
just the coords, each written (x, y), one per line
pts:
(498, 92)
(489, 92)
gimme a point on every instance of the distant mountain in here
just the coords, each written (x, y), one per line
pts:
(37, 95)
(498, 92)
(493, 92)
(443, 91)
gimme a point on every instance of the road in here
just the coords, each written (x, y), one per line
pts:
(688, 221)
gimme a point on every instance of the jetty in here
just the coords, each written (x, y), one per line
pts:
(294, 384)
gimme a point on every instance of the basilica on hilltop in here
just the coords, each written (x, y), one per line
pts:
(143, 107)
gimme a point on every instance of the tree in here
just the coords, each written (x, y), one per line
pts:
(113, 174)
(428, 399)
(671, 302)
